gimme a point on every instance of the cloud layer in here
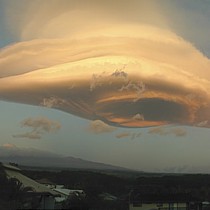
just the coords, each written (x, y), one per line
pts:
(122, 72)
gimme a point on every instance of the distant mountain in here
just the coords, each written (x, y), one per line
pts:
(39, 158)
(58, 162)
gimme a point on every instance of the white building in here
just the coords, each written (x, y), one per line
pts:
(42, 195)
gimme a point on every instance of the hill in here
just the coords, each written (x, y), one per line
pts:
(39, 158)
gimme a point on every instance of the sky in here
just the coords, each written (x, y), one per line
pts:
(123, 82)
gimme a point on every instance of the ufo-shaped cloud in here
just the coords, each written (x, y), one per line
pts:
(131, 75)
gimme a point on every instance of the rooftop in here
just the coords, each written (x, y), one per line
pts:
(14, 172)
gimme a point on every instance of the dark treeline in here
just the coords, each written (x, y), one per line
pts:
(96, 183)
(187, 180)
(90, 182)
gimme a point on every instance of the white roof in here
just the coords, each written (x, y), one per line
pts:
(67, 192)
(14, 172)
(11, 167)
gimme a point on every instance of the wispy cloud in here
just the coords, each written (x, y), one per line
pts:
(137, 87)
(53, 102)
(123, 135)
(120, 73)
(98, 126)
(38, 127)
(135, 135)
(131, 135)
(138, 117)
(96, 81)
(29, 135)
(179, 132)
(202, 123)
(8, 145)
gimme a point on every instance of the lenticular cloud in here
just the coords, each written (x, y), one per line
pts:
(124, 74)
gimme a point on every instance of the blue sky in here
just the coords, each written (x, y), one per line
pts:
(177, 146)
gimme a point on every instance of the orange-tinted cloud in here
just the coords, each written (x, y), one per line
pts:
(179, 132)
(124, 73)
(8, 145)
(39, 127)
(97, 126)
